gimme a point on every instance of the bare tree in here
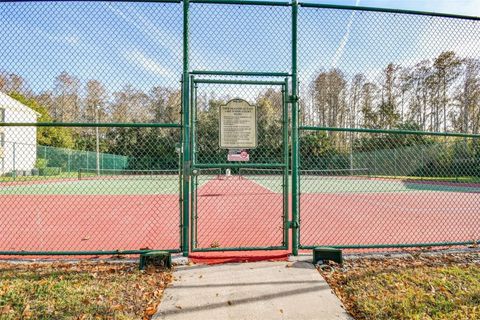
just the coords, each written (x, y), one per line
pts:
(165, 104)
(95, 101)
(446, 70)
(330, 98)
(67, 100)
(466, 117)
(130, 105)
(368, 98)
(355, 99)
(406, 84)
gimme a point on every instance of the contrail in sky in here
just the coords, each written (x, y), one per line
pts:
(343, 42)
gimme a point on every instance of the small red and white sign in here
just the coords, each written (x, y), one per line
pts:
(238, 155)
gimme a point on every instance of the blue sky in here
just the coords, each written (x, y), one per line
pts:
(140, 43)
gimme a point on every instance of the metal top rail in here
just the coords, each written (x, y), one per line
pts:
(244, 2)
(239, 82)
(388, 10)
(284, 4)
(139, 1)
(239, 73)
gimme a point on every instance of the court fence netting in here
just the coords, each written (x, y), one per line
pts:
(362, 126)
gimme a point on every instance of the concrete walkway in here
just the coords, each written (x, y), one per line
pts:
(262, 290)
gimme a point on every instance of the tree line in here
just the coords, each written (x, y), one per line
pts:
(441, 94)
(72, 101)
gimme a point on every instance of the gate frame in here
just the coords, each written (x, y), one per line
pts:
(286, 223)
(292, 99)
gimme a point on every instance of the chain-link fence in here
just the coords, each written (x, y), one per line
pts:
(386, 189)
(106, 178)
(129, 207)
(118, 136)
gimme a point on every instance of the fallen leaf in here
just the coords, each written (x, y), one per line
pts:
(26, 312)
(150, 311)
(6, 309)
(118, 307)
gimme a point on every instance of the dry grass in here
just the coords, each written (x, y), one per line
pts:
(445, 286)
(95, 290)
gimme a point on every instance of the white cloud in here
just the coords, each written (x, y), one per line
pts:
(146, 63)
(164, 38)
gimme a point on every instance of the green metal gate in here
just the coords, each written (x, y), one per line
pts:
(239, 197)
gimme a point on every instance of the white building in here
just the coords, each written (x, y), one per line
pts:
(18, 145)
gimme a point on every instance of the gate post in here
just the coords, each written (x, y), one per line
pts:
(295, 159)
(186, 134)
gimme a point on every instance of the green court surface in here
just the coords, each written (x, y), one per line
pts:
(169, 184)
(309, 184)
(94, 186)
(103, 185)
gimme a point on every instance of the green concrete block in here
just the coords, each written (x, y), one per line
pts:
(156, 258)
(326, 253)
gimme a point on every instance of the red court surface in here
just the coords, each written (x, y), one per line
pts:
(233, 213)
(389, 218)
(89, 222)
(237, 212)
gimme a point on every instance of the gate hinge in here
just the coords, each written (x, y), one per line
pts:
(293, 98)
(292, 225)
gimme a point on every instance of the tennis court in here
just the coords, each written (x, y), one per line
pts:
(241, 210)
(244, 209)
(352, 208)
(92, 211)
(364, 210)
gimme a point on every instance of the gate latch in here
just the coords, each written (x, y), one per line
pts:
(292, 225)
(293, 98)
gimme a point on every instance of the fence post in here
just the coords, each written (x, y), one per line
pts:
(14, 165)
(186, 132)
(395, 162)
(286, 173)
(423, 163)
(295, 149)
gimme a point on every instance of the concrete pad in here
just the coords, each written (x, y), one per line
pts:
(261, 290)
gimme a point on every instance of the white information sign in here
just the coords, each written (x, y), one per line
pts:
(238, 125)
